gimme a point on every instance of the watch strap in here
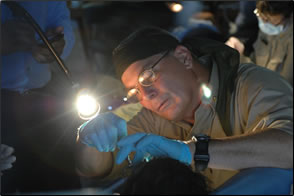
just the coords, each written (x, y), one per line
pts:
(201, 156)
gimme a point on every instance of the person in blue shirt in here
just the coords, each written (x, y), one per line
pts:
(25, 59)
(25, 66)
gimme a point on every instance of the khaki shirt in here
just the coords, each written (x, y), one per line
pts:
(275, 52)
(258, 102)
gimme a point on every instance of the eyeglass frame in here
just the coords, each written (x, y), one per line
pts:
(148, 69)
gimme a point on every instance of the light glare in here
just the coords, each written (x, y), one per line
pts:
(87, 106)
(141, 79)
(206, 91)
(132, 92)
(176, 7)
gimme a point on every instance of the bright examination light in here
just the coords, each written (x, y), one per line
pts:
(87, 105)
(175, 7)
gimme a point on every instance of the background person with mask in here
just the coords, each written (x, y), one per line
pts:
(273, 48)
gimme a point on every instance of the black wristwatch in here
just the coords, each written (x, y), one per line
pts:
(201, 156)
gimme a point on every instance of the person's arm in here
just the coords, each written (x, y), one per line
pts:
(269, 148)
(96, 143)
(263, 103)
(90, 162)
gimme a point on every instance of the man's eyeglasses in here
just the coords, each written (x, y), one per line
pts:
(146, 78)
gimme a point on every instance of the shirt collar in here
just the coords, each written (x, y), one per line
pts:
(213, 83)
(209, 103)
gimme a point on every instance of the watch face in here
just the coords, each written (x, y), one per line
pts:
(201, 156)
(202, 137)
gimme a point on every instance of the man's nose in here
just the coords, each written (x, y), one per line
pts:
(148, 92)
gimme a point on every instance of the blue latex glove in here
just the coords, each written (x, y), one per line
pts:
(156, 146)
(103, 132)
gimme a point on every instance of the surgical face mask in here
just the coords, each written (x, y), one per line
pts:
(269, 28)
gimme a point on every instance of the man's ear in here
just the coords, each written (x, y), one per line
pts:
(183, 55)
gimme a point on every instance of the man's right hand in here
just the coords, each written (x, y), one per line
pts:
(103, 132)
(17, 36)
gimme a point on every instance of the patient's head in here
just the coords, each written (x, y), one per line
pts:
(164, 176)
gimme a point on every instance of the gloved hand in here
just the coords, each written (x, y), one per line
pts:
(6, 158)
(155, 145)
(103, 132)
(41, 52)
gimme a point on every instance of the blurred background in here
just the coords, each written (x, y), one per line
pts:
(41, 124)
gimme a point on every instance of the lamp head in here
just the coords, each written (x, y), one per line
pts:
(87, 105)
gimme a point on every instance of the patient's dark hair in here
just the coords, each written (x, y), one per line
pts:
(164, 176)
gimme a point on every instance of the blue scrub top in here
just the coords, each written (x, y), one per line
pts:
(20, 71)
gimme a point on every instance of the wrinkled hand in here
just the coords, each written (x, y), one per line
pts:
(6, 158)
(155, 145)
(103, 132)
(17, 36)
(235, 43)
(41, 52)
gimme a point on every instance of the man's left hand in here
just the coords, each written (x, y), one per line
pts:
(156, 146)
